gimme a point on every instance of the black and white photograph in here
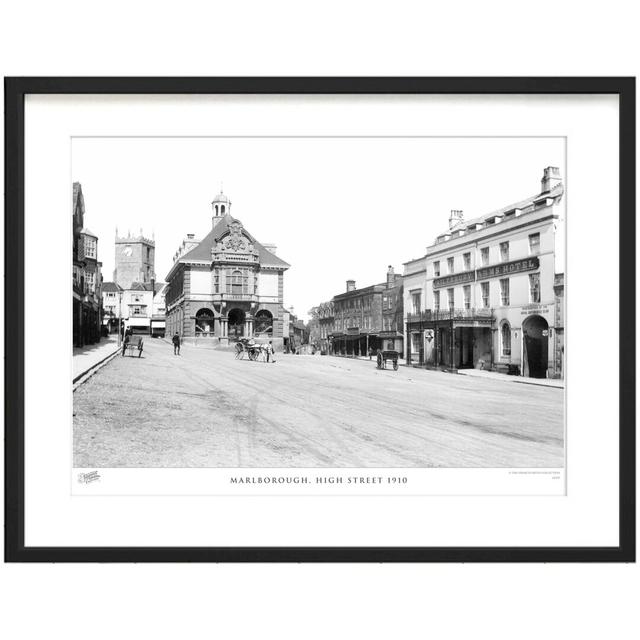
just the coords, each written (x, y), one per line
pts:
(319, 302)
(362, 318)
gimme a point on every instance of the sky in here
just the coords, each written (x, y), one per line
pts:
(336, 208)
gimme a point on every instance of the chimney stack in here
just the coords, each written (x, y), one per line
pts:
(391, 277)
(351, 285)
(455, 218)
(550, 179)
(270, 247)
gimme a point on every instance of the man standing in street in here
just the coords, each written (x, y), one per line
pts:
(125, 342)
(176, 344)
(270, 352)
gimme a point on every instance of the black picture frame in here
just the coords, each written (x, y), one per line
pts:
(15, 91)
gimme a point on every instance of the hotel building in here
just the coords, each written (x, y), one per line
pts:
(489, 292)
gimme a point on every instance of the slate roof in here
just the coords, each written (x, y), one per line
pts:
(146, 286)
(526, 204)
(77, 195)
(111, 286)
(203, 251)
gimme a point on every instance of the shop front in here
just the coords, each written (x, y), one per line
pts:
(354, 344)
(451, 339)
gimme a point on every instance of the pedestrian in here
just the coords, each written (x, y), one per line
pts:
(370, 352)
(176, 344)
(270, 352)
(125, 342)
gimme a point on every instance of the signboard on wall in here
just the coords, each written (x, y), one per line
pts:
(456, 278)
(507, 268)
(537, 309)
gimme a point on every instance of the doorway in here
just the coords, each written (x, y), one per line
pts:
(535, 337)
(236, 319)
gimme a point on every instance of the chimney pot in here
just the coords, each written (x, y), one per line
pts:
(550, 178)
(455, 218)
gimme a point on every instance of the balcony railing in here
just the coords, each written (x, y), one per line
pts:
(444, 315)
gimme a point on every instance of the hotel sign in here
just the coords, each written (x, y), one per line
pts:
(499, 270)
(456, 278)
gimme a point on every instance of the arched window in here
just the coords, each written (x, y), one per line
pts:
(505, 336)
(222, 209)
(216, 209)
(264, 322)
(236, 282)
(204, 322)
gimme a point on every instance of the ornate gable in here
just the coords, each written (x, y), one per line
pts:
(235, 245)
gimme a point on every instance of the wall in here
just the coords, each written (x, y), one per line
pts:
(268, 285)
(201, 281)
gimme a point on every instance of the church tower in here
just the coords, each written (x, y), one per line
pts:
(221, 206)
(135, 259)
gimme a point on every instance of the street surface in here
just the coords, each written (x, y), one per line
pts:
(204, 408)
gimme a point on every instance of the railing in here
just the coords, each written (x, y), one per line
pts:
(443, 315)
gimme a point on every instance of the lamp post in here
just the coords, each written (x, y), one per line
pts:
(153, 295)
(119, 317)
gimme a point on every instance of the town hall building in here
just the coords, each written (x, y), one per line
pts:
(226, 286)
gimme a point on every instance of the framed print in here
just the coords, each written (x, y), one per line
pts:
(320, 319)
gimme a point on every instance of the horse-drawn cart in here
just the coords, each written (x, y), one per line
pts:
(252, 349)
(387, 356)
(131, 345)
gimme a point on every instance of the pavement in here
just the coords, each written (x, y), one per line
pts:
(87, 357)
(204, 408)
(503, 377)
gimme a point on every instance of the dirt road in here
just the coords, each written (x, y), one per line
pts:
(204, 408)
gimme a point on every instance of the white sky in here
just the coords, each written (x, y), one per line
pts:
(336, 208)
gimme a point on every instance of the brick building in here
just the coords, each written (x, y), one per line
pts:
(226, 286)
(367, 318)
